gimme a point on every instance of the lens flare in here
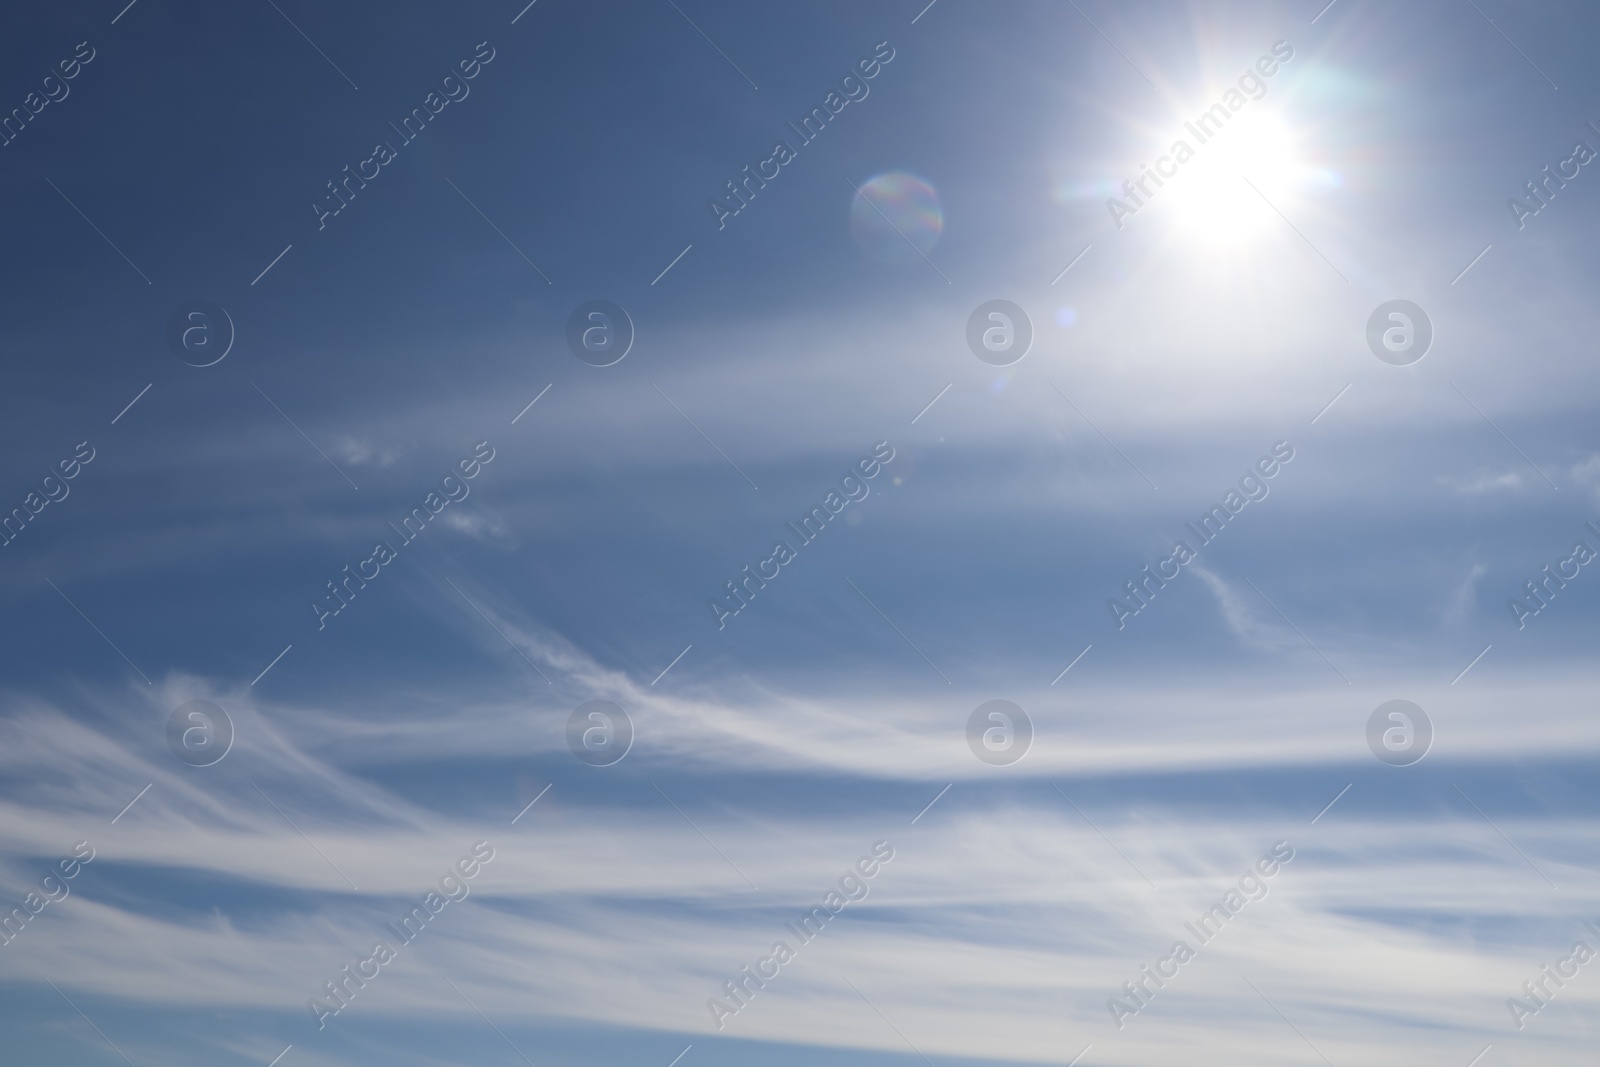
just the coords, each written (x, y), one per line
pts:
(895, 217)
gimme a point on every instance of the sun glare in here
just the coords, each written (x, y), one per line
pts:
(1226, 194)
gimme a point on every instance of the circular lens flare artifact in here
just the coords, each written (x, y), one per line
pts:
(896, 217)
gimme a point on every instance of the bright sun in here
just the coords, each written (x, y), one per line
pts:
(1221, 195)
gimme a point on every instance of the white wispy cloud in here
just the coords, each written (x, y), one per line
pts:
(1587, 473)
(998, 930)
(361, 452)
(1244, 619)
(1485, 482)
(482, 524)
(1464, 601)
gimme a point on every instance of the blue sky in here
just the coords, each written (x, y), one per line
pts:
(376, 349)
